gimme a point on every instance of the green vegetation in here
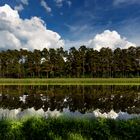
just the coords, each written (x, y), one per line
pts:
(69, 129)
(71, 81)
(75, 63)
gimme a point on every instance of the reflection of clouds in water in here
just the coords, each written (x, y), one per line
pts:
(80, 98)
(23, 98)
(31, 112)
(96, 113)
(139, 96)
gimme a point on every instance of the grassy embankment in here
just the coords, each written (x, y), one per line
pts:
(69, 129)
(70, 81)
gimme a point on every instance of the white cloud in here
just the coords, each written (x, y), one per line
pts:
(19, 7)
(76, 44)
(16, 33)
(25, 2)
(45, 5)
(109, 39)
(8, 40)
(59, 3)
(69, 3)
(6, 12)
(127, 2)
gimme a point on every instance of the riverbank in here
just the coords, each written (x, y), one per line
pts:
(70, 81)
(69, 129)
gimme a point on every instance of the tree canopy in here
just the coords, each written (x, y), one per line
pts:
(82, 62)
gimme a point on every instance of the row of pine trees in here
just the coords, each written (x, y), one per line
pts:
(82, 62)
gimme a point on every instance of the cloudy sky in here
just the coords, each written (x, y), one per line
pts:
(35, 24)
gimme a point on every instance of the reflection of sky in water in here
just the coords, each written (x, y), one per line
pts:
(84, 99)
(31, 112)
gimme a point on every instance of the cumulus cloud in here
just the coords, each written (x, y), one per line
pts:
(16, 33)
(77, 44)
(111, 39)
(45, 5)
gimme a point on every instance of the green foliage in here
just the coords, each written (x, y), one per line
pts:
(36, 128)
(74, 136)
(75, 63)
(11, 130)
(69, 129)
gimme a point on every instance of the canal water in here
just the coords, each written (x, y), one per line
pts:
(81, 101)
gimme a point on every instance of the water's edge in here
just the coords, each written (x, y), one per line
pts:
(31, 112)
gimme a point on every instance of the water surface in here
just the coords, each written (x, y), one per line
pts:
(75, 98)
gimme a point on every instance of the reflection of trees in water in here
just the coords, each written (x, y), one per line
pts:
(81, 98)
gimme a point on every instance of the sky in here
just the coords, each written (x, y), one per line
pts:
(35, 24)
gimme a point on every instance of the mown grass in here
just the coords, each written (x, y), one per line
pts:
(70, 81)
(69, 129)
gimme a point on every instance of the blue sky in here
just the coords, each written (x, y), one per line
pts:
(81, 20)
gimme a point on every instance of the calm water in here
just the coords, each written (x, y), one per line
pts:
(75, 98)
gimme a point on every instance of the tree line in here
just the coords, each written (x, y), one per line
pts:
(82, 62)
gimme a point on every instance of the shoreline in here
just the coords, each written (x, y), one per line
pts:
(70, 81)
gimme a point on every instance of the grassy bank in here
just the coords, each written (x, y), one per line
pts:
(71, 81)
(69, 129)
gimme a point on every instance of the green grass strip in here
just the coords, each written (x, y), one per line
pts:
(70, 81)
